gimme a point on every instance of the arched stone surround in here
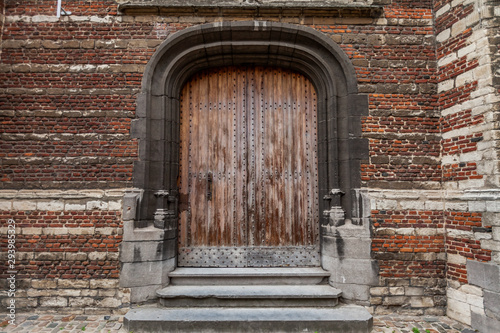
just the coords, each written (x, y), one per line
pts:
(150, 212)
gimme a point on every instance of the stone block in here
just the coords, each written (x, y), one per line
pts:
(143, 273)
(421, 302)
(414, 291)
(69, 292)
(76, 256)
(147, 251)
(490, 244)
(464, 78)
(458, 27)
(355, 271)
(73, 284)
(56, 302)
(482, 323)
(81, 302)
(50, 206)
(447, 59)
(97, 255)
(355, 292)
(395, 300)
(104, 284)
(423, 282)
(396, 291)
(459, 311)
(109, 302)
(44, 284)
(472, 290)
(130, 233)
(346, 247)
(379, 291)
(144, 294)
(24, 205)
(492, 304)
(475, 300)
(456, 259)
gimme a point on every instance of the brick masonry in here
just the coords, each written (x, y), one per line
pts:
(430, 69)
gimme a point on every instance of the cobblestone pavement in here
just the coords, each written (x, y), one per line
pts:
(113, 324)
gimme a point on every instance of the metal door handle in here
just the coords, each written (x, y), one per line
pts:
(209, 186)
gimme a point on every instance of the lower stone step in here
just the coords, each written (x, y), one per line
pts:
(250, 296)
(250, 275)
(345, 319)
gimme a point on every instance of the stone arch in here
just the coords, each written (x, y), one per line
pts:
(298, 48)
(150, 212)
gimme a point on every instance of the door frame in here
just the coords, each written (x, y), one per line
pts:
(153, 205)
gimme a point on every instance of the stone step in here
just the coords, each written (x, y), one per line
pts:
(344, 319)
(248, 276)
(249, 296)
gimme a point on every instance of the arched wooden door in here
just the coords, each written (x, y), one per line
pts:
(248, 169)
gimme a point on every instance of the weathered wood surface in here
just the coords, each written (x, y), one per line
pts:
(253, 130)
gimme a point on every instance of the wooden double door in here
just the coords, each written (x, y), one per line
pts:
(248, 169)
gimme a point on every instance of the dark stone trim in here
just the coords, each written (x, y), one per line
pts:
(274, 8)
